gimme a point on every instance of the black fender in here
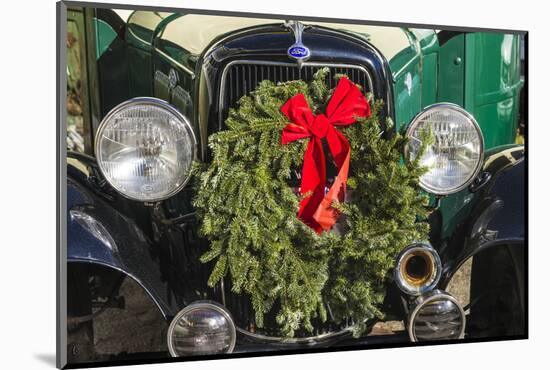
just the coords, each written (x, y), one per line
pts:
(498, 216)
(493, 235)
(98, 233)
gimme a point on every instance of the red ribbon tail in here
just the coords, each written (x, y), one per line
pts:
(325, 215)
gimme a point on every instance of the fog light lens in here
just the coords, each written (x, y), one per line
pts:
(201, 328)
(436, 316)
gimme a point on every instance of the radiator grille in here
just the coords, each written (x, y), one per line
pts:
(243, 77)
(240, 79)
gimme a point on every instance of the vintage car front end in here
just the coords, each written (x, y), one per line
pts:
(188, 75)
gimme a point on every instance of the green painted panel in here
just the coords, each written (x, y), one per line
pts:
(401, 62)
(498, 121)
(414, 72)
(407, 80)
(451, 71)
(407, 95)
(493, 84)
(469, 73)
(429, 80)
(104, 36)
(496, 65)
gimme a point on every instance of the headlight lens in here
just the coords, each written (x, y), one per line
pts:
(201, 328)
(436, 316)
(145, 148)
(456, 155)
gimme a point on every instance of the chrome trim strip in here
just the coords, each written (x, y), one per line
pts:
(315, 339)
(175, 62)
(279, 64)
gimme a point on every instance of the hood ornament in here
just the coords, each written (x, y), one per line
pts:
(298, 50)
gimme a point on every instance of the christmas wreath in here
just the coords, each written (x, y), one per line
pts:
(310, 253)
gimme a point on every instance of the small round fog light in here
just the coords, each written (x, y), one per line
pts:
(201, 328)
(436, 316)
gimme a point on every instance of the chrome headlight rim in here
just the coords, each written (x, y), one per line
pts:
(405, 252)
(457, 108)
(205, 304)
(144, 100)
(428, 297)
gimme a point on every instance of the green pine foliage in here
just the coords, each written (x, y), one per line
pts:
(248, 212)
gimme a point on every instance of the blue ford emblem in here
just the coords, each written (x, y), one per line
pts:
(298, 52)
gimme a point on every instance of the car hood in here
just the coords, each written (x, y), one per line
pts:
(196, 32)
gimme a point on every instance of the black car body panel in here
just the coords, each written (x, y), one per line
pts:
(498, 217)
(98, 233)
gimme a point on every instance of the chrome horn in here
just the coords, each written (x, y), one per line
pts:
(417, 269)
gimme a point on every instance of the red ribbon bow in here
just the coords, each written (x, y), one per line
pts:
(346, 103)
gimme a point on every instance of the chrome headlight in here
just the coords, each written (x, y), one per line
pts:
(201, 328)
(436, 316)
(455, 157)
(145, 148)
